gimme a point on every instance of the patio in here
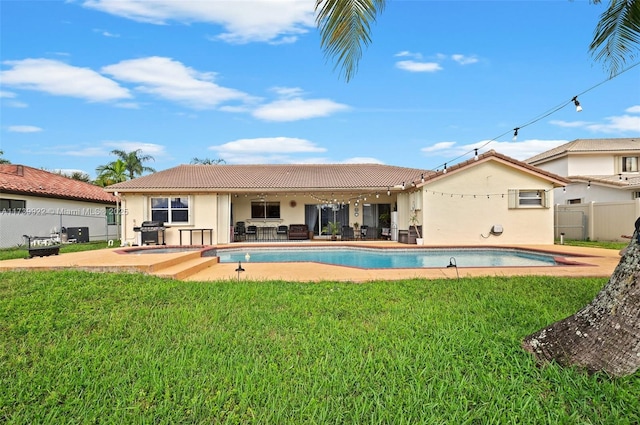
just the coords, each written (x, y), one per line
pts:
(593, 262)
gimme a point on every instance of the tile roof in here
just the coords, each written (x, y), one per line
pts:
(616, 180)
(581, 146)
(20, 179)
(269, 177)
(495, 156)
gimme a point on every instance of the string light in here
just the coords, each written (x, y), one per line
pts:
(551, 111)
(388, 191)
(422, 177)
(575, 102)
(589, 185)
(445, 169)
(475, 156)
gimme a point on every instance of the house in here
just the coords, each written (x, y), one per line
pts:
(35, 202)
(493, 199)
(599, 170)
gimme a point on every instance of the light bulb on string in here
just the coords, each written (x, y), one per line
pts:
(475, 156)
(444, 171)
(575, 102)
(515, 133)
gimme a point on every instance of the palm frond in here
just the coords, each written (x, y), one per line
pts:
(617, 35)
(345, 28)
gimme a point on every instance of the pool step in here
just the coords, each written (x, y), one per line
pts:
(186, 268)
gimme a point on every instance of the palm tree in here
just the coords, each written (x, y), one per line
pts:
(112, 173)
(345, 27)
(616, 34)
(207, 161)
(134, 162)
(3, 160)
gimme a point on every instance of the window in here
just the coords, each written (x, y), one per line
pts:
(12, 205)
(265, 210)
(574, 201)
(170, 210)
(629, 164)
(636, 195)
(112, 218)
(528, 198)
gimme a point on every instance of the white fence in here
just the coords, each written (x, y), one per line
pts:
(596, 221)
(14, 226)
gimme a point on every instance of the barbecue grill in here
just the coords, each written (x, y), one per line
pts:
(151, 232)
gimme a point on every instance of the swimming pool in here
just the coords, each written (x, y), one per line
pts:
(370, 258)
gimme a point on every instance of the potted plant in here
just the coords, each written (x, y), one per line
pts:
(356, 226)
(414, 222)
(332, 227)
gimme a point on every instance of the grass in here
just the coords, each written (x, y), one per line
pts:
(21, 252)
(597, 244)
(81, 347)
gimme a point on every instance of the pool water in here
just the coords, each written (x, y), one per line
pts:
(394, 259)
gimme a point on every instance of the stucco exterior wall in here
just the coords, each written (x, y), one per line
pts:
(453, 216)
(590, 165)
(46, 216)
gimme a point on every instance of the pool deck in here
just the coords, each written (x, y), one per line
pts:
(587, 262)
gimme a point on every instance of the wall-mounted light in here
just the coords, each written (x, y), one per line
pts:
(575, 102)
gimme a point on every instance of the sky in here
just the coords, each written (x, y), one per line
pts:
(248, 83)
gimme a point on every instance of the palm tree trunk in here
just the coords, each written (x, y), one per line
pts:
(604, 335)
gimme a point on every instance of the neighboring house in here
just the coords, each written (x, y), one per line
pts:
(35, 202)
(600, 170)
(459, 206)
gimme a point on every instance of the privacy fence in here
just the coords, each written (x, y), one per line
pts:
(596, 221)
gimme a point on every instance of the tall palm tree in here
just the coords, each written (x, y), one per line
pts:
(345, 27)
(111, 173)
(134, 162)
(207, 161)
(3, 160)
(616, 34)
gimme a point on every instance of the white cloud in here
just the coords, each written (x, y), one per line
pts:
(129, 146)
(569, 124)
(633, 109)
(620, 124)
(60, 79)
(464, 60)
(362, 160)
(279, 21)
(413, 66)
(288, 92)
(266, 150)
(92, 152)
(7, 94)
(268, 145)
(169, 79)
(615, 124)
(298, 109)
(438, 147)
(520, 150)
(23, 129)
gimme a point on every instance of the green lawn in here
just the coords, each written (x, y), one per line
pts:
(80, 347)
(22, 252)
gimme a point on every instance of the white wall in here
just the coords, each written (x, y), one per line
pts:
(453, 216)
(581, 165)
(44, 216)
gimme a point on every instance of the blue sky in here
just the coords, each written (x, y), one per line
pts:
(246, 82)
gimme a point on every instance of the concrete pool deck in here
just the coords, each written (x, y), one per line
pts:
(588, 262)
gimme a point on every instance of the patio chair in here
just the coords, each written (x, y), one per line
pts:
(363, 232)
(252, 231)
(239, 232)
(282, 232)
(347, 233)
(386, 233)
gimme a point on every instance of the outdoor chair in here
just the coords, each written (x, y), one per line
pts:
(363, 232)
(239, 231)
(283, 232)
(252, 231)
(347, 233)
(386, 233)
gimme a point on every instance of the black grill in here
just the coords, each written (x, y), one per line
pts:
(152, 232)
